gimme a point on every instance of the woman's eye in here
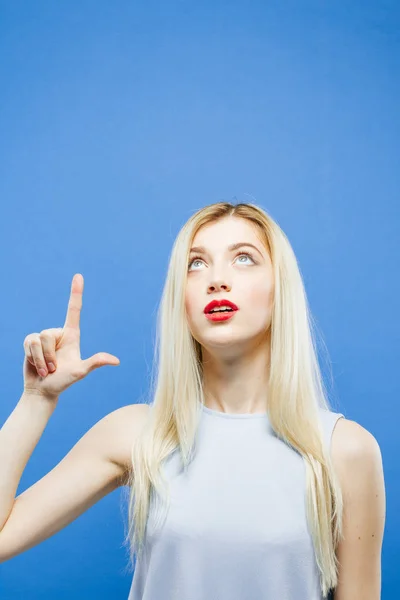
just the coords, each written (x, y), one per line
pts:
(244, 255)
(194, 261)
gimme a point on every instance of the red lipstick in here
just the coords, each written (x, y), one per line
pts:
(222, 315)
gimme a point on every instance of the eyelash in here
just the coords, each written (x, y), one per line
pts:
(197, 257)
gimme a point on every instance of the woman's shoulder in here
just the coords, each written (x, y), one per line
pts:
(348, 438)
(352, 444)
(124, 425)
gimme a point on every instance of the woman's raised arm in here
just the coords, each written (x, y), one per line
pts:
(97, 463)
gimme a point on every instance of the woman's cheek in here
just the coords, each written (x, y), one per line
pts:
(260, 299)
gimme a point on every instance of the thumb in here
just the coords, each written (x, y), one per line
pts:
(101, 359)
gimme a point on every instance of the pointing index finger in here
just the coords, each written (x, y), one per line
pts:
(75, 302)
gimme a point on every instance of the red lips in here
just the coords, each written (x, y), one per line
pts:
(218, 304)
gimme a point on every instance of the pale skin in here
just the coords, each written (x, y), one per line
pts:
(235, 352)
(235, 367)
(97, 464)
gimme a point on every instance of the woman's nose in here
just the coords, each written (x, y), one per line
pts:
(219, 285)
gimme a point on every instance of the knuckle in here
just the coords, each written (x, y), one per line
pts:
(49, 358)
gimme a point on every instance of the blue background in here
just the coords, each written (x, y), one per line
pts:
(119, 120)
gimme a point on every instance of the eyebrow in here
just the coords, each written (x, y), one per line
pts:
(202, 250)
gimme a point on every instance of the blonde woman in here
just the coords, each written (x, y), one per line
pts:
(242, 482)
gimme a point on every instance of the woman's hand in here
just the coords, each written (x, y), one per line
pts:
(60, 346)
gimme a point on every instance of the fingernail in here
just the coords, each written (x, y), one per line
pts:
(51, 367)
(42, 372)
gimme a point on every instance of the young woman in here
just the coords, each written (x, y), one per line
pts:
(264, 491)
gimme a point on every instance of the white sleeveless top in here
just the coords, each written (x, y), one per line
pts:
(236, 527)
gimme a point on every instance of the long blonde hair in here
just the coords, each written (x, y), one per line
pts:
(295, 393)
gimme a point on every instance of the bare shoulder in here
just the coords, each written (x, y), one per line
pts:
(356, 454)
(121, 427)
(357, 460)
(351, 440)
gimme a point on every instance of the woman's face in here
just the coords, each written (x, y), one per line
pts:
(242, 275)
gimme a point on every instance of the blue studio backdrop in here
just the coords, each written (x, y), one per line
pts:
(118, 120)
